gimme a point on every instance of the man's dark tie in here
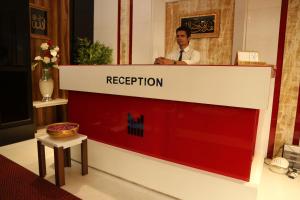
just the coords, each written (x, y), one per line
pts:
(180, 55)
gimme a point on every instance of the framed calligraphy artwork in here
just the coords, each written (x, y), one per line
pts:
(38, 22)
(204, 24)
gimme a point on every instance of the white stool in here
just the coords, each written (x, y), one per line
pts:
(62, 154)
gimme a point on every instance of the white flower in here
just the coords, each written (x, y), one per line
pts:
(55, 66)
(56, 48)
(46, 60)
(38, 58)
(44, 46)
(53, 52)
(53, 59)
(48, 57)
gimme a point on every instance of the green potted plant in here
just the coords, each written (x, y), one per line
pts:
(89, 53)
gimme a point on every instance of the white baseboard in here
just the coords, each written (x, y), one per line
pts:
(170, 178)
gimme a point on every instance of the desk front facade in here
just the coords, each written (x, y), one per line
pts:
(204, 117)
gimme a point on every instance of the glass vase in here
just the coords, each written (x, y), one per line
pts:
(46, 84)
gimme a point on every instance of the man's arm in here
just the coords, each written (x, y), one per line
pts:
(167, 61)
(170, 59)
(195, 58)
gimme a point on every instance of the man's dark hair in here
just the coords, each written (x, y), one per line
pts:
(186, 29)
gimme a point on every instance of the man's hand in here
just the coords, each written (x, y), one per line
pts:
(158, 60)
(163, 61)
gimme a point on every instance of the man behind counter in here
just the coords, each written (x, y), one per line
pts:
(185, 55)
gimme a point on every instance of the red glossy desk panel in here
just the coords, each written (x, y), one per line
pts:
(218, 139)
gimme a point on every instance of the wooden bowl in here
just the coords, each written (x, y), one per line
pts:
(63, 129)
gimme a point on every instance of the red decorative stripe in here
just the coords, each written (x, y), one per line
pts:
(280, 53)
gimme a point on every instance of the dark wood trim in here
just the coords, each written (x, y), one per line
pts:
(67, 154)
(59, 166)
(130, 31)
(279, 63)
(84, 158)
(119, 33)
(41, 159)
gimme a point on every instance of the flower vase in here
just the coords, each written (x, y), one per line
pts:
(46, 84)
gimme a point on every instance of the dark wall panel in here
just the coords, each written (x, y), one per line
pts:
(16, 117)
(82, 22)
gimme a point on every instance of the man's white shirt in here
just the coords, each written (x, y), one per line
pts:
(189, 55)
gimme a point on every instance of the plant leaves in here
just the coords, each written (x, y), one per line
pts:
(93, 53)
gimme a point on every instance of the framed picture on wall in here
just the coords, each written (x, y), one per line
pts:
(39, 24)
(203, 24)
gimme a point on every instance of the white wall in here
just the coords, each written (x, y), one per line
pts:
(142, 32)
(159, 32)
(260, 29)
(263, 28)
(106, 24)
(148, 34)
(239, 33)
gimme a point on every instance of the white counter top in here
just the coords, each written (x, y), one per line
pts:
(245, 87)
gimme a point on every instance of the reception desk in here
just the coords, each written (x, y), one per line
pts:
(193, 132)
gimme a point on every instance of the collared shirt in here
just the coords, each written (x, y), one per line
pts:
(189, 55)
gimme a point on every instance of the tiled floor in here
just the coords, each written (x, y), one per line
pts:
(100, 185)
(278, 187)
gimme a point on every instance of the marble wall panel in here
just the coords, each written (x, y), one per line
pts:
(213, 51)
(290, 79)
(125, 31)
